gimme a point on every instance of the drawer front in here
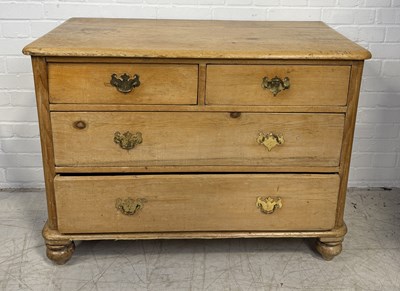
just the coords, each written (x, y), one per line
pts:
(91, 83)
(159, 203)
(196, 138)
(307, 85)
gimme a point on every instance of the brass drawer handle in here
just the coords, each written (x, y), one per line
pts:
(276, 84)
(270, 140)
(268, 205)
(128, 140)
(129, 206)
(124, 84)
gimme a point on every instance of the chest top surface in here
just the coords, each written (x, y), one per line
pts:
(102, 37)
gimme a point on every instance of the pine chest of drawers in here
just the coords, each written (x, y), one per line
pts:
(157, 129)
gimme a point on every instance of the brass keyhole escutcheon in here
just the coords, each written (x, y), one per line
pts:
(276, 84)
(125, 83)
(270, 140)
(268, 205)
(128, 140)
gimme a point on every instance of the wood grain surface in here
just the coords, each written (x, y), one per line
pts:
(195, 202)
(309, 85)
(90, 83)
(201, 138)
(196, 39)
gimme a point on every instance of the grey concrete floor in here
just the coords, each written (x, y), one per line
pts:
(370, 259)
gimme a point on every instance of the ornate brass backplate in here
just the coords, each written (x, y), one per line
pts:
(124, 83)
(276, 84)
(128, 140)
(270, 140)
(268, 205)
(129, 206)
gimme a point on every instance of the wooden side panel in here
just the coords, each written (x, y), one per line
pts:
(39, 66)
(309, 85)
(196, 203)
(90, 83)
(354, 91)
(201, 138)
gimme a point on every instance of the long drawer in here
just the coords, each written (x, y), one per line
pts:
(154, 83)
(159, 203)
(196, 138)
(306, 85)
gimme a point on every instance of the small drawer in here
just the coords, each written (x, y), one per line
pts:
(107, 84)
(196, 139)
(162, 203)
(296, 85)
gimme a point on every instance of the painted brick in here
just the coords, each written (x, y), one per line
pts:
(321, 3)
(382, 84)
(26, 130)
(361, 160)
(130, 1)
(231, 13)
(39, 28)
(293, 3)
(21, 145)
(10, 10)
(350, 3)
(377, 3)
(391, 68)
(3, 179)
(67, 10)
(348, 16)
(6, 130)
(19, 65)
(162, 2)
(377, 174)
(18, 114)
(350, 32)
(16, 29)
(20, 160)
(184, 12)
(267, 3)
(371, 34)
(24, 98)
(24, 174)
(380, 145)
(384, 160)
(385, 50)
(387, 130)
(379, 115)
(364, 131)
(372, 68)
(19, 81)
(2, 65)
(300, 14)
(393, 34)
(237, 2)
(4, 98)
(13, 46)
(382, 99)
(388, 15)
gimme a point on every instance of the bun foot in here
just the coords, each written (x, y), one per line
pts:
(329, 247)
(60, 251)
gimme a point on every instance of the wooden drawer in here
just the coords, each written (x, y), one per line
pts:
(90, 83)
(309, 85)
(196, 138)
(195, 202)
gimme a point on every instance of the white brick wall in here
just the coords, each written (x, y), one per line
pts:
(375, 24)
